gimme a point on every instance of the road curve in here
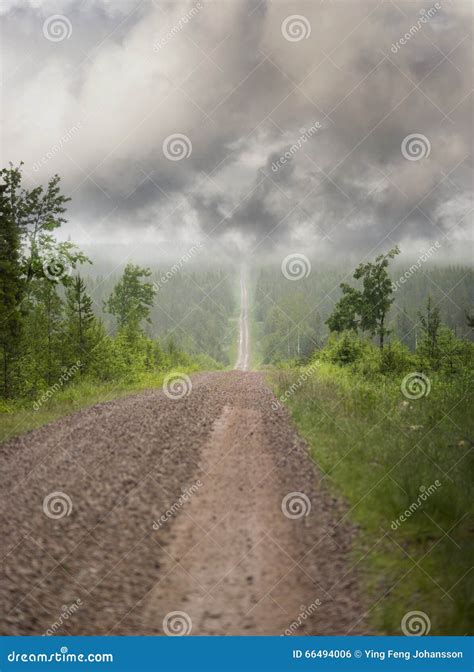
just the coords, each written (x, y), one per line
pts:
(243, 356)
(168, 505)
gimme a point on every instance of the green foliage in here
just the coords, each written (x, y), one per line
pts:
(382, 452)
(50, 336)
(31, 317)
(439, 348)
(17, 416)
(36, 213)
(382, 449)
(131, 299)
(347, 348)
(44, 330)
(395, 358)
(193, 308)
(366, 309)
(310, 304)
(457, 355)
(450, 289)
(291, 327)
(430, 324)
(11, 291)
(81, 337)
(344, 316)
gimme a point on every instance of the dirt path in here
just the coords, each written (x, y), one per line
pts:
(225, 555)
(243, 355)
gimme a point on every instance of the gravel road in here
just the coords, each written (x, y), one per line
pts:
(243, 353)
(174, 516)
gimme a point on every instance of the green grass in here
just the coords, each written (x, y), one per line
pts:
(255, 349)
(379, 451)
(17, 417)
(232, 341)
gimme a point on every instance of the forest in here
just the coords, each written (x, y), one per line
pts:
(59, 324)
(291, 316)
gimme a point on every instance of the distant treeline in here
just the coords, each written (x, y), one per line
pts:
(292, 315)
(191, 307)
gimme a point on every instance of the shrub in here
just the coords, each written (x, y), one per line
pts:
(395, 358)
(346, 348)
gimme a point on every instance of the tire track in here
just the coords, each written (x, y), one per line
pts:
(227, 556)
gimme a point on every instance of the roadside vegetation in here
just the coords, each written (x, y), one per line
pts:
(63, 346)
(391, 430)
(21, 415)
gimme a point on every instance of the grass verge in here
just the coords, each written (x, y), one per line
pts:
(405, 468)
(17, 417)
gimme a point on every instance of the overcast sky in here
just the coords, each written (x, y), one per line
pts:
(93, 90)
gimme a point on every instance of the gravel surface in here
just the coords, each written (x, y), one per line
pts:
(243, 352)
(174, 505)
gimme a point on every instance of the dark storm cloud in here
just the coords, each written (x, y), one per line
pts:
(222, 74)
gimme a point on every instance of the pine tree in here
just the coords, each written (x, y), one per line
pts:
(37, 213)
(11, 291)
(431, 325)
(45, 337)
(405, 328)
(131, 299)
(80, 321)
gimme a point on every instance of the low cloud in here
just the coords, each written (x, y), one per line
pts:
(231, 82)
